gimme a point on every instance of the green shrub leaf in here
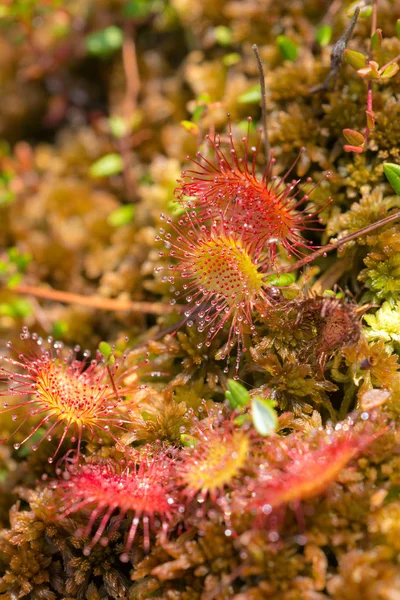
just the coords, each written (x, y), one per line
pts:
(392, 172)
(237, 394)
(106, 166)
(265, 419)
(104, 42)
(287, 47)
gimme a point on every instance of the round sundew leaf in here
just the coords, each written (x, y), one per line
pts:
(392, 172)
(265, 419)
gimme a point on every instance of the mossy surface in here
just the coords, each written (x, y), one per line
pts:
(102, 103)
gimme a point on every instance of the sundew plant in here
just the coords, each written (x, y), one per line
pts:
(199, 300)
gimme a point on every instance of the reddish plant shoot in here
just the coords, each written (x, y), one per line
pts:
(139, 490)
(262, 211)
(61, 394)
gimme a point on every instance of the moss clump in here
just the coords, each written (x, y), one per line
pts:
(102, 103)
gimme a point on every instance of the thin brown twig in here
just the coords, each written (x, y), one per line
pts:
(337, 55)
(132, 79)
(329, 247)
(131, 71)
(267, 148)
(153, 308)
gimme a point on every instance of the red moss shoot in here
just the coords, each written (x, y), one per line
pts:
(138, 490)
(306, 468)
(218, 457)
(66, 394)
(263, 210)
(222, 280)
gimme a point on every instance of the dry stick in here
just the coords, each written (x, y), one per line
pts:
(131, 71)
(153, 308)
(329, 247)
(337, 54)
(267, 147)
(132, 79)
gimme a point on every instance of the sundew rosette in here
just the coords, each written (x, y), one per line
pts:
(128, 495)
(221, 280)
(266, 211)
(61, 396)
(300, 467)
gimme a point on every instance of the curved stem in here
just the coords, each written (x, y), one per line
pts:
(329, 247)
(153, 308)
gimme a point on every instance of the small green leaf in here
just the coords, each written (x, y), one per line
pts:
(242, 419)
(390, 71)
(188, 440)
(231, 59)
(237, 394)
(138, 9)
(19, 308)
(392, 172)
(118, 126)
(323, 35)
(121, 216)
(265, 419)
(105, 349)
(287, 47)
(104, 42)
(176, 208)
(6, 197)
(365, 11)
(355, 59)
(197, 113)
(59, 329)
(14, 280)
(398, 28)
(355, 138)
(106, 166)
(252, 95)
(20, 259)
(332, 294)
(376, 40)
(190, 127)
(223, 35)
(281, 280)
